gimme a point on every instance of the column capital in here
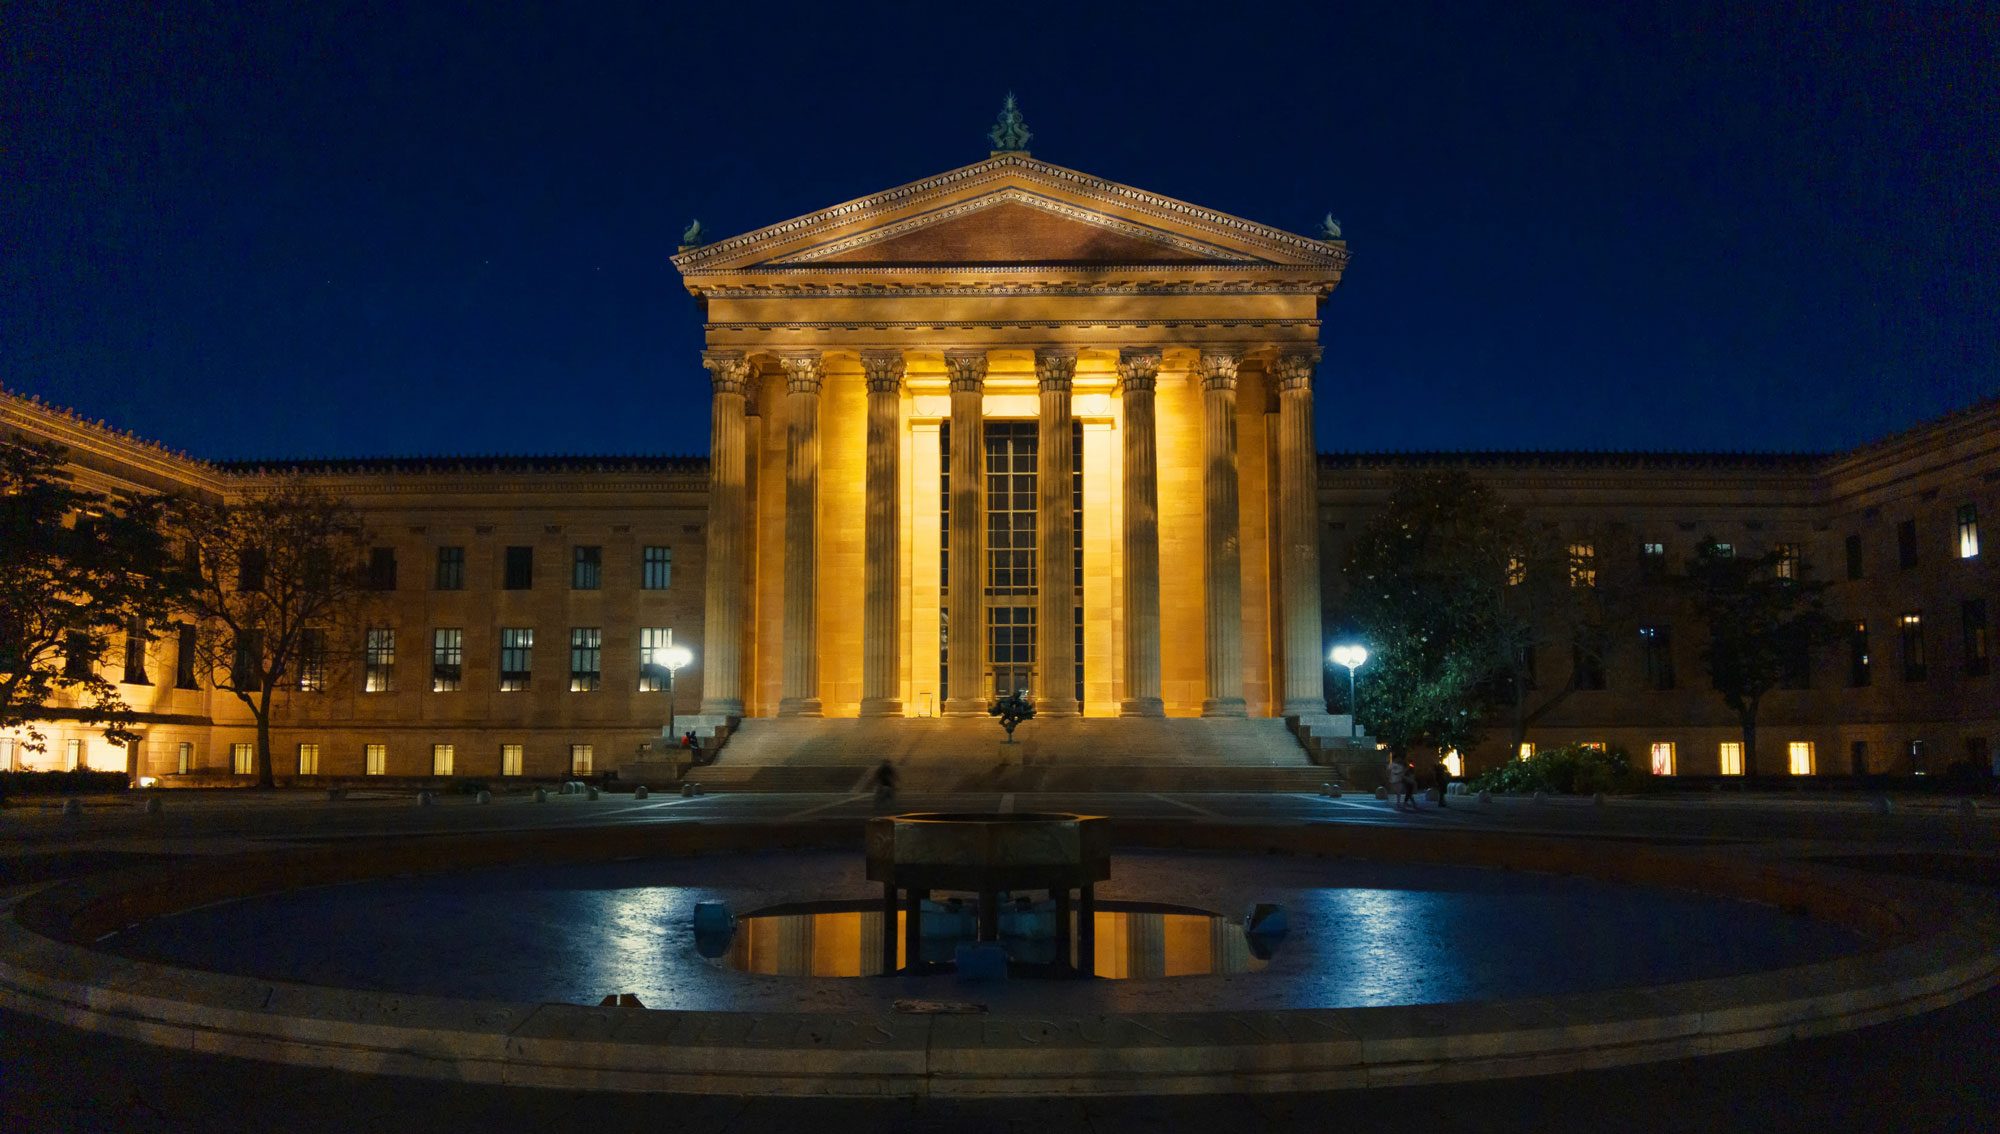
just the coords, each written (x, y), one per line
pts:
(1293, 368)
(1217, 367)
(1138, 369)
(728, 370)
(883, 370)
(1055, 367)
(803, 371)
(967, 367)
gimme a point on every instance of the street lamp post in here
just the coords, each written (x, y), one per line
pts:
(1351, 656)
(673, 657)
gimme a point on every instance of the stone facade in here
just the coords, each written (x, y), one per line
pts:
(1150, 367)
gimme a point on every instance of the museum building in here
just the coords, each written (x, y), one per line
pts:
(1014, 427)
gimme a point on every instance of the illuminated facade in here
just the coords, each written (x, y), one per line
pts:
(1014, 426)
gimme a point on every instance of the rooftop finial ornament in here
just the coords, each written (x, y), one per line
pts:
(1010, 134)
(691, 236)
(1329, 229)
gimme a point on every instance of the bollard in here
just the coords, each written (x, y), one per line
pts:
(1597, 798)
(1541, 797)
(424, 799)
(72, 808)
(332, 794)
(687, 791)
(639, 792)
(1967, 808)
(541, 795)
(1882, 805)
(1381, 793)
(590, 793)
(484, 796)
(698, 790)
(153, 805)
(1485, 798)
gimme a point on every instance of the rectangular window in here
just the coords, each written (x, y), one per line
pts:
(1906, 543)
(586, 659)
(1968, 531)
(1730, 757)
(77, 659)
(184, 652)
(1857, 757)
(653, 643)
(308, 759)
(1517, 570)
(447, 660)
(520, 572)
(1854, 557)
(1859, 672)
(1912, 626)
(1582, 565)
(451, 569)
(381, 568)
(441, 759)
(135, 655)
(1724, 550)
(580, 759)
(375, 760)
(1657, 644)
(510, 759)
(517, 658)
(379, 661)
(10, 751)
(1652, 561)
(312, 661)
(1799, 757)
(243, 759)
(1920, 764)
(1978, 650)
(184, 762)
(1794, 658)
(1595, 744)
(586, 569)
(1788, 560)
(247, 664)
(72, 754)
(1663, 757)
(1527, 749)
(250, 570)
(656, 568)
(1587, 655)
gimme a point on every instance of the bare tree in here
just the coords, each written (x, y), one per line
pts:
(76, 568)
(1763, 616)
(1567, 598)
(278, 578)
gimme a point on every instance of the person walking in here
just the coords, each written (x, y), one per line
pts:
(1442, 774)
(885, 784)
(1401, 778)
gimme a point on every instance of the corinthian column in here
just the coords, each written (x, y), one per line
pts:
(799, 694)
(1055, 539)
(722, 624)
(965, 625)
(1298, 534)
(1138, 372)
(881, 614)
(1222, 553)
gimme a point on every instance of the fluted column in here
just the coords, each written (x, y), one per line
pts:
(965, 626)
(1055, 538)
(1222, 552)
(1298, 534)
(722, 625)
(881, 613)
(799, 693)
(1138, 373)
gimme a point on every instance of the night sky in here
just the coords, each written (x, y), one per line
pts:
(255, 230)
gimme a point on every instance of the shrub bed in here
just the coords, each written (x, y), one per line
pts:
(61, 783)
(1573, 769)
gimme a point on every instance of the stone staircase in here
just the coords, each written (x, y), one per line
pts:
(1049, 755)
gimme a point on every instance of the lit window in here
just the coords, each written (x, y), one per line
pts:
(73, 754)
(312, 661)
(1788, 559)
(1858, 672)
(1724, 550)
(1652, 560)
(308, 759)
(517, 658)
(1912, 626)
(185, 763)
(447, 660)
(1454, 763)
(1597, 744)
(586, 659)
(653, 643)
(10, 751)
(657, 568)
(243, 759)
(1730, 757)
(379, 670)
(579, 759)
(1517, 570)
(1582, 565)
(1663, 757)
(1527, 749)
(1800, 753)
(1968, 531)
(586, 571)
(510, 759)
(441, 759)
(375, 760)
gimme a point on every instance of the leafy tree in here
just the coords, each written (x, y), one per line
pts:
(76, 569)
(1762, 614)
(1427, 589)
(1567, 599)
(278, 579)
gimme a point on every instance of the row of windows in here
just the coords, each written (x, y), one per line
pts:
(1801, 758)
(1653, 554)
(586, 568)
(516, 660)
(375, 760)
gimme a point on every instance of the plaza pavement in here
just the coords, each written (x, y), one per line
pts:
(1937, 1072)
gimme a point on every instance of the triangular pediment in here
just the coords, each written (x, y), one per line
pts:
(1011, 210)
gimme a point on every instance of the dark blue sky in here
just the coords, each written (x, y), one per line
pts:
(326, 229)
